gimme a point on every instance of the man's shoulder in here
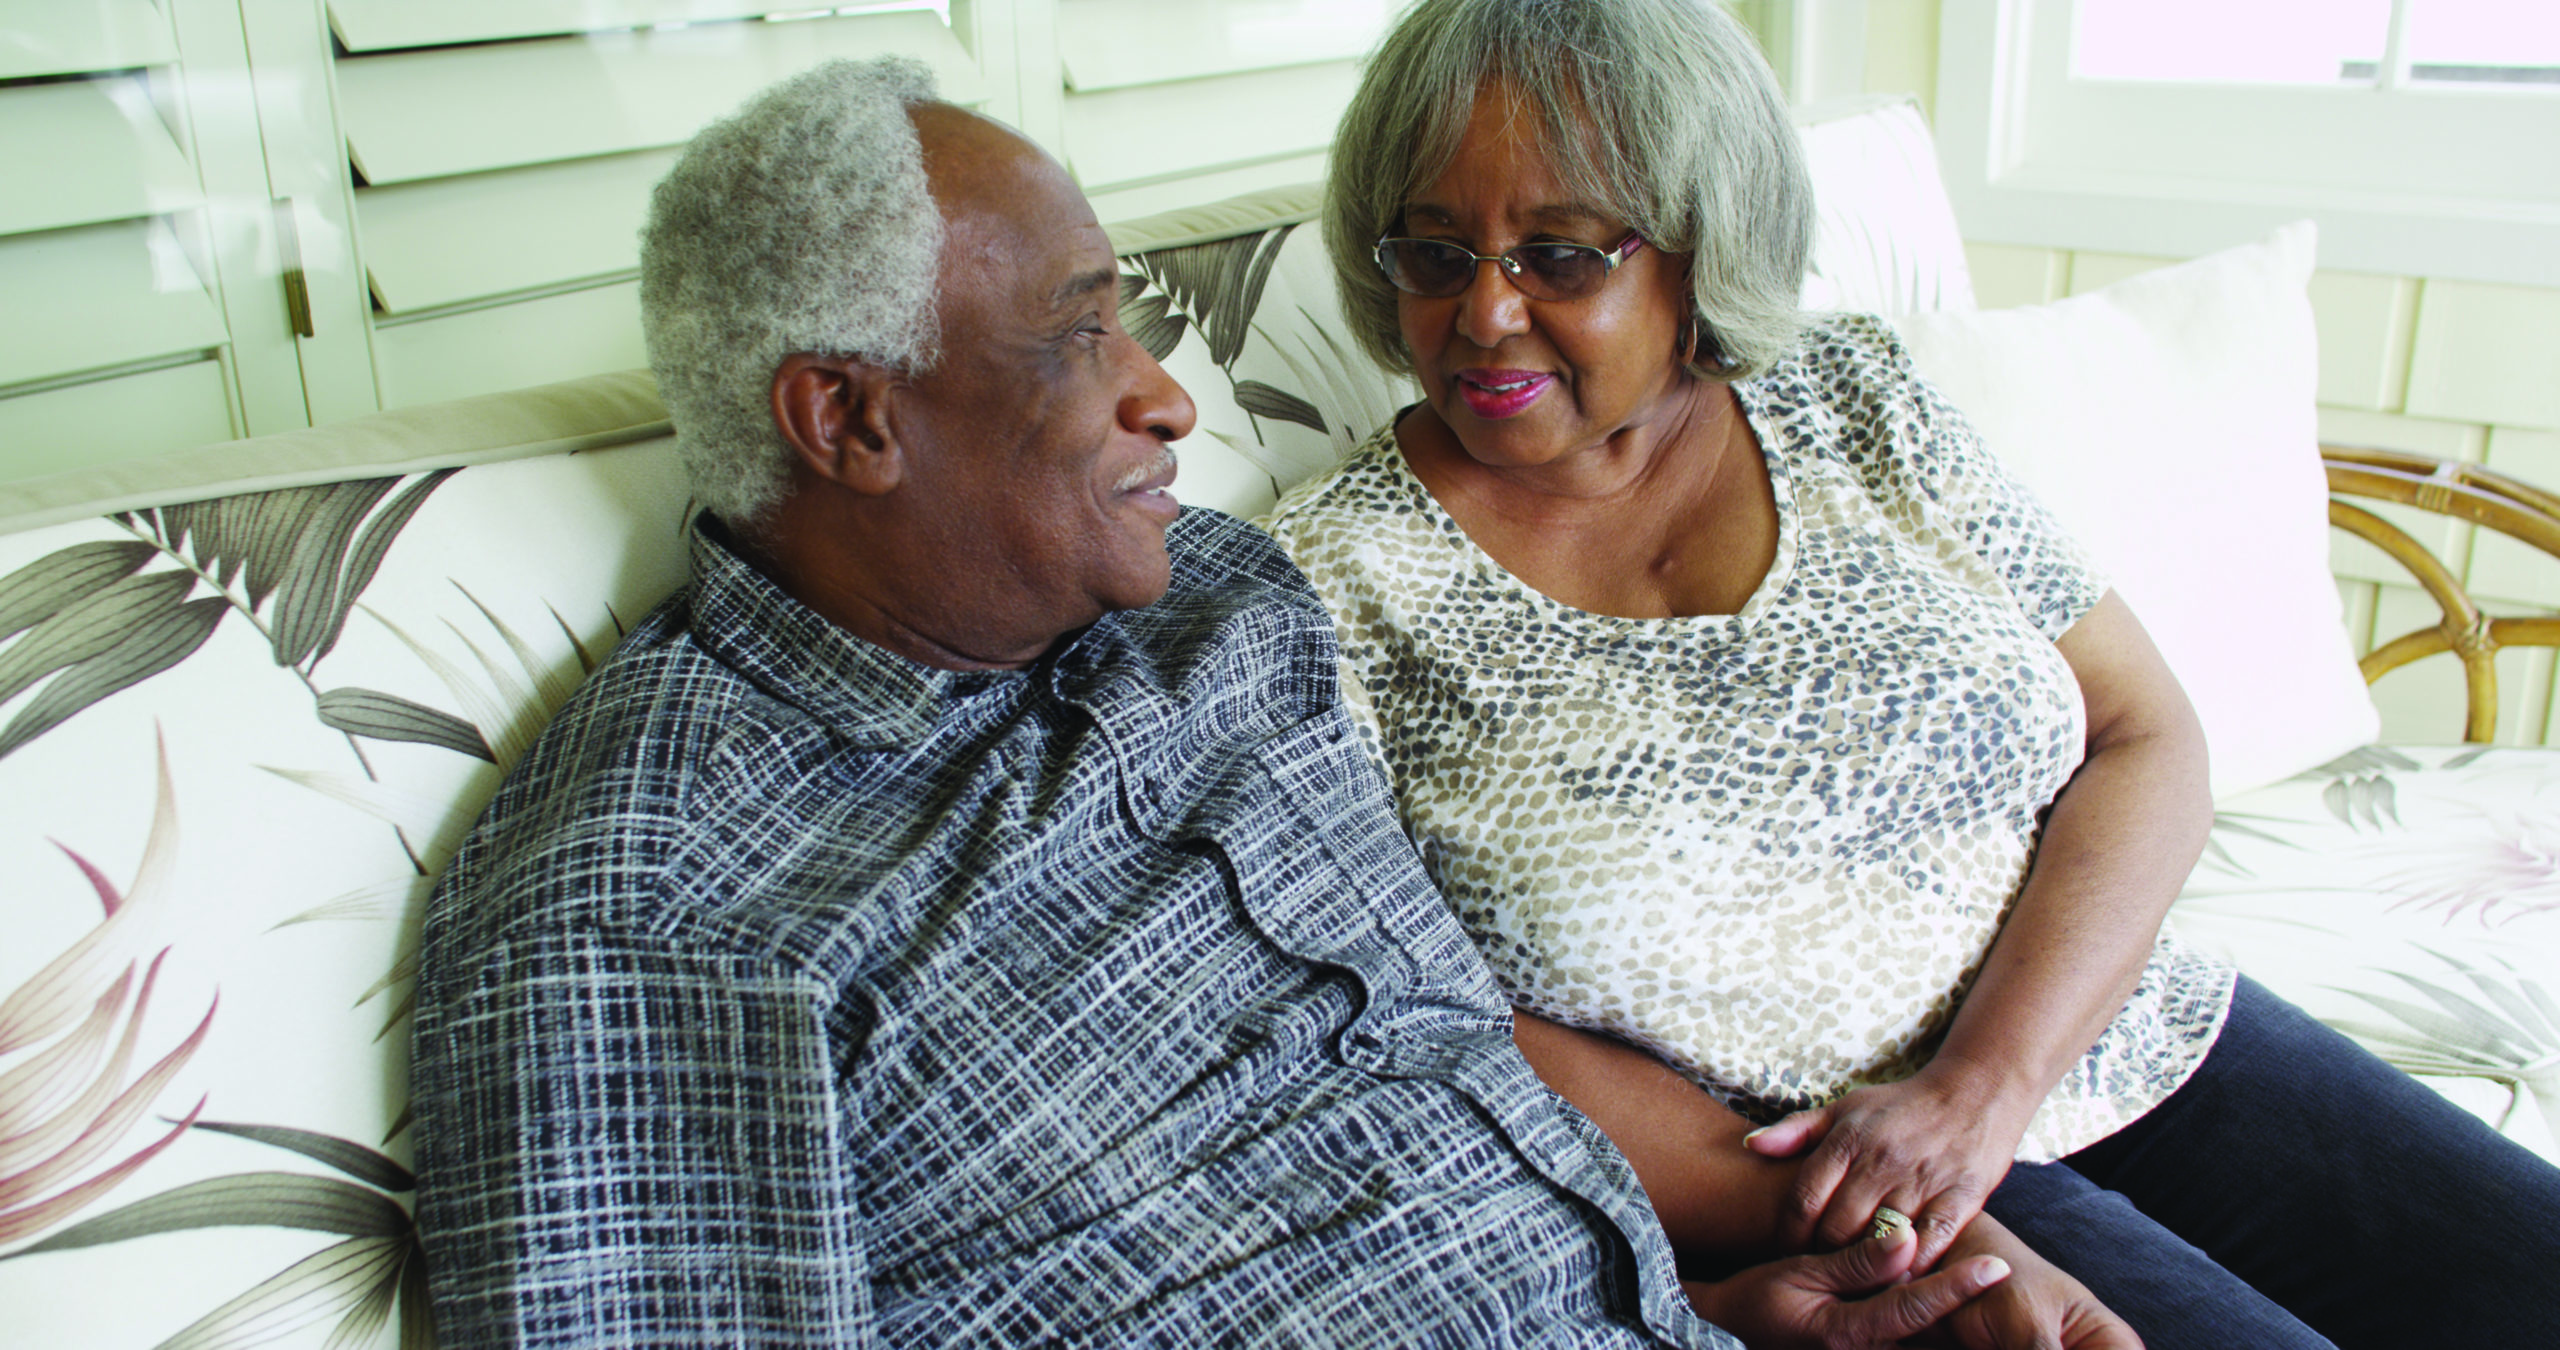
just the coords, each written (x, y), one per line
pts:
(1237, 614)
(583, 824)
(1214, 551)
(1225, 568)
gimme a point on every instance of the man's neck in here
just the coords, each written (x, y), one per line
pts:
(839, 586)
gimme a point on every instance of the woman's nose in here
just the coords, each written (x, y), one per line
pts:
(1491, 308)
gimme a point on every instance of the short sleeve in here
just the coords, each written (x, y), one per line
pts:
(1916, 450)
(623, 1141)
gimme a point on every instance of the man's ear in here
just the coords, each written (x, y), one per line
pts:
(833, 411)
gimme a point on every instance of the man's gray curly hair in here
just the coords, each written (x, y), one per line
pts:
(800, 223)
(1660, 112)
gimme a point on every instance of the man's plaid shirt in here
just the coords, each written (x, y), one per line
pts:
(791, 993)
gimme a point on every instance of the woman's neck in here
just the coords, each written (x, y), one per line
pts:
(1672, 516)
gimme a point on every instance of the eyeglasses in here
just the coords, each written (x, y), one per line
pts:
(1437, 269)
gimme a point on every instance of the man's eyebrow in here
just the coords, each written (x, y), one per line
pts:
(1083, 284)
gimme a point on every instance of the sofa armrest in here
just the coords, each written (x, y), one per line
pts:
(2465, 492)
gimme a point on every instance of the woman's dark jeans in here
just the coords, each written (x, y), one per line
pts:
(2298, 1191)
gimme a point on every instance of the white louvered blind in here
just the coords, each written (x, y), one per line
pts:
(104, 269)
(1169, 105)
(455, 186)
(501, 154)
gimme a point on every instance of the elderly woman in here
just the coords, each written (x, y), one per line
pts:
(1748, 713)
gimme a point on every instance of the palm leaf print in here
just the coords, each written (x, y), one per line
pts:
(1217, 285)
(2507, 1030)
(377, 1267)
(1263, 400)
(2361, 791)
(2217, 851)
(2507, 868)
(93, 619)
(71, 1036)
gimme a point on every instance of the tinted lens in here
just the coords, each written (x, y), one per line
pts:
(1426, 267)
(1433, 268)
(1559, 271)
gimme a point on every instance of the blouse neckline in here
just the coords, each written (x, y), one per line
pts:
(1772, 585)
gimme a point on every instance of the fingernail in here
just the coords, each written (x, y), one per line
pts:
(1993, 1268)
(1757, 1133)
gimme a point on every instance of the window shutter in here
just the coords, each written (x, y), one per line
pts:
(103, 269)
(1175, 105)
(501, 156)
(231, 217)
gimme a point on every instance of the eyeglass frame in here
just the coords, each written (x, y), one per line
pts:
(1512, 268)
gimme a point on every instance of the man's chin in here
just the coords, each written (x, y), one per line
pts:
(1144, 582)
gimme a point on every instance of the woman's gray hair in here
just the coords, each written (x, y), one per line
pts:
(800, 223)
(1661, 113)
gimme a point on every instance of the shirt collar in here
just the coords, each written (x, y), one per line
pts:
(870, 695)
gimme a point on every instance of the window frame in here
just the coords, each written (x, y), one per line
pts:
(2400, 180)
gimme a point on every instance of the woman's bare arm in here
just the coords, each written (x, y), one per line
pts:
(1714, 1196)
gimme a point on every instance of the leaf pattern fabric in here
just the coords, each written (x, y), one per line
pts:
(2410, 897)
(1250, 326)
(93, 614)
(192, 971)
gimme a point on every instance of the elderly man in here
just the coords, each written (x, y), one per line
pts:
(962, 916)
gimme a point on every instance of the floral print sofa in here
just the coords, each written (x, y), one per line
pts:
(252, 696)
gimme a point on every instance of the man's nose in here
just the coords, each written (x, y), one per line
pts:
(1156, 405)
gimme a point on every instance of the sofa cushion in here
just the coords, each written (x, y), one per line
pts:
(237, 741)
(2411, 898)
(1884, 234)
(2168, 420)
(1237, 299)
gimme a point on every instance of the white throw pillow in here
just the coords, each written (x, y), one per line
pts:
(2168, 420)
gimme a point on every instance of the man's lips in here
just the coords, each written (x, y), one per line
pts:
(1501, 393)
(1145, 485)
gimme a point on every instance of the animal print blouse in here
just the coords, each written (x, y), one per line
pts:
(1774, 846)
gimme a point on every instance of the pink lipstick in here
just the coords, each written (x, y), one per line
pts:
(1495, 394)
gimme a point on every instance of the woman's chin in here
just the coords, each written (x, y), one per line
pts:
(1510, 443)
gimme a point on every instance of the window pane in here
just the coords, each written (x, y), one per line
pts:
(2495, 42)
(2260, 42)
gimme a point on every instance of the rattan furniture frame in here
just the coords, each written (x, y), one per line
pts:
(2464, 492)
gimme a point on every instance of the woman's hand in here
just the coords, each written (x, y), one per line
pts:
(1932, 1146)
(2037, 1308)
(1849, 1300)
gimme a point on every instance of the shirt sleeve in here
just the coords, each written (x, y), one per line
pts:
(1919, 448)
(625, 1142)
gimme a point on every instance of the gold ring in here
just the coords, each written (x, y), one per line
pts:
(1889, 1222)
